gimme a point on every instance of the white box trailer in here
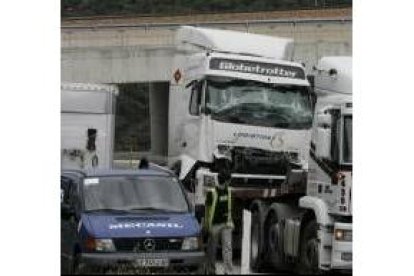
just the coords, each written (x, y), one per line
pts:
(87, 125)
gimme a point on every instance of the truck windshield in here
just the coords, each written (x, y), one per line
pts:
(347, 140)
(259, 104)
(126, 193)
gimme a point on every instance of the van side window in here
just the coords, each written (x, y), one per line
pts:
(195, 98)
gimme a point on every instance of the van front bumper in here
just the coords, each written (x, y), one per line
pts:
(178, 259)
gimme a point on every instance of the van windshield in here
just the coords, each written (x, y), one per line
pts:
(259, 104)
(126, 193)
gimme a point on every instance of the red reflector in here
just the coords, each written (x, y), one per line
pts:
(337, 177)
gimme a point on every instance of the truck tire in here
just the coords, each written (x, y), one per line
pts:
(256, 242)
(309, 251)
(275, 255)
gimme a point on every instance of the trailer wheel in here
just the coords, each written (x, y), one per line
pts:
(309, 253)
(256, 241)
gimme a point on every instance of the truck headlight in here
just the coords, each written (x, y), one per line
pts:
(223, 151)
(192, 243)
(343, 235)
(100, 245)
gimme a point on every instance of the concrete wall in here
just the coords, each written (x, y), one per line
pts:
(145, 54)
(140, 54)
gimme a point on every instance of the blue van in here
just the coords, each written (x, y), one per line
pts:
(127, 219)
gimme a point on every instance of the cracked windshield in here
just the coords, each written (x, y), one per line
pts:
(259, 104)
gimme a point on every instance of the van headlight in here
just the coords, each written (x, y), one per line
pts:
(104, 245)
(192, 243)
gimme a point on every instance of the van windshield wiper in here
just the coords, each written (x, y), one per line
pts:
(112, 210)
(154, 209)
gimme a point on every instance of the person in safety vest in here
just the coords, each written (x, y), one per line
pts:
(218, 219)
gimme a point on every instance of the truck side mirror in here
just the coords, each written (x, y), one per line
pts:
(66, 211)
(199, 212)
(311, 79)
(195, 99)
(323, 139)
(314, 99)
(90, 145)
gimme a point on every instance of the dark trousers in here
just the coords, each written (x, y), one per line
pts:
(223, 232)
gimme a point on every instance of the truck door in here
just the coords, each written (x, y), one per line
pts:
(192, 126)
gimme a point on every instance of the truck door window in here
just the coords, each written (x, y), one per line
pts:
(335, 136)
(195, 98)
(347, 140)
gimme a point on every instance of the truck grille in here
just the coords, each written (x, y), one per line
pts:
(139, 244)
(258, 161)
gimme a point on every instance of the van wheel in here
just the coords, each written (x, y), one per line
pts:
(74, 265)
(309, 253)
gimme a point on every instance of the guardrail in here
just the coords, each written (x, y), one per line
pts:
(246, 23)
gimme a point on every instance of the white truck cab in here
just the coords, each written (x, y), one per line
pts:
(237, 94)
(329, 186)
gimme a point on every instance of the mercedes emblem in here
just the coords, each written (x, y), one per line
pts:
(149, 244)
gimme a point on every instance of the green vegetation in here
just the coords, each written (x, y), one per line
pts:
(132, 125)
(186, 7)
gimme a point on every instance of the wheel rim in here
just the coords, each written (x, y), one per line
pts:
(254, 243)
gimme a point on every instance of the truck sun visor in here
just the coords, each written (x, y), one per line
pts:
(260, 68)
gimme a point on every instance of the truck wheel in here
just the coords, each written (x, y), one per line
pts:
(274, 242)
(309, 252)
(256, 241)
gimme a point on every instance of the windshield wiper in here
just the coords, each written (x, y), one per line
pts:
(107, 210)
(154, 209)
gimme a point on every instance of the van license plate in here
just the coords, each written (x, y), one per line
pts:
(152, 262)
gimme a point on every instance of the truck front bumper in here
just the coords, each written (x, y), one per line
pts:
(92, 261)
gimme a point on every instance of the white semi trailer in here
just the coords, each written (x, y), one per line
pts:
(87, 125)
(313, 233)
